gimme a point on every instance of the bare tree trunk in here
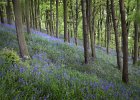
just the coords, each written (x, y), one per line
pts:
(89, 18)
(125, 42)
(135, 58)
(116, 35)
(51, 18)
(108, 25)
(85, 32)
(76, 24)
(27, 16)
(33, 14)
(57, 34)
(38, 15)
(9, 12)
(20, 36)
(1, 15)
(65, 20)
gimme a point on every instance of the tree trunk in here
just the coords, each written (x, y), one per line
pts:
(108, 25)
(76, 24)
(51, 17)
(85, 32)
(125, 42)
(116, 35)
(57, 34)
(135, 43)
(89, 18)
(1, 15)
(38, 15)
(65, 20)
(20, 36)
(27, 16)
(33, 14)
(9, 12)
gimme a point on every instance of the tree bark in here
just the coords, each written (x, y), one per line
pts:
(85, 32)
(135, 58)
(57, 25)
(33, 14)
(20, 36)
(89, 18)
(125, 42)
(9, 12)
(65, 20)
(1, 15)
(76, 24)
(116, 35)
(51, 18)
(27, 16)
(108, 25)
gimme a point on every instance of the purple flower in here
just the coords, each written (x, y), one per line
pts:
(35, 69)
(105, 87)
(22, 70)
(21, 80)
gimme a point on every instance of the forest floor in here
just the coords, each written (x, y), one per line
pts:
(56, 71)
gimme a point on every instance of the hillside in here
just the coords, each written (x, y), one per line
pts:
(56, 71)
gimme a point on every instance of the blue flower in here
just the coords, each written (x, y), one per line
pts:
(22, 69)
(35, 69)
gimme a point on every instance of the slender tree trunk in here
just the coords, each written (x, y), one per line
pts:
(116, 35)
(57, 34)
(47, 23)
(30, 11)
(72, 18)
(108, 25)
(20, 36)
(33, 14)
(65, 20)
(89, 17)
(38, 15)
(1, 15)
(76, 24)
(9, 12)
(93, 31)
(85, 32)
(69, 35)
(51, 17)
(135, 58)
(125, 42)
(27, 16)
(98, 27)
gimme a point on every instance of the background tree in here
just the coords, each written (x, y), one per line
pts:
(27, 15)
(9, 12)
(65, 21)
(1, 14)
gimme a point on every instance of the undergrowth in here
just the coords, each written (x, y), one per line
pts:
(57, 72)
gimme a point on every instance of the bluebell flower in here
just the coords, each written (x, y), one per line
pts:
(35, 69)
(22, 69)
(21, 80)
